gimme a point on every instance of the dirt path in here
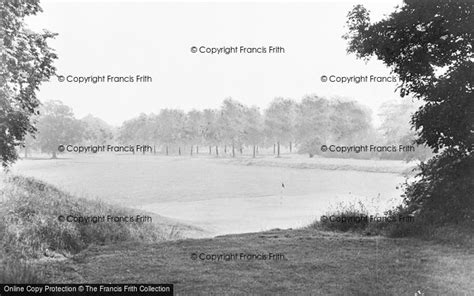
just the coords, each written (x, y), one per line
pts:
(314, 263)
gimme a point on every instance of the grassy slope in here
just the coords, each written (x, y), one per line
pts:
(30, 229)
(317, 263)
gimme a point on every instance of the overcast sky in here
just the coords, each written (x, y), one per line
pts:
(155, 39)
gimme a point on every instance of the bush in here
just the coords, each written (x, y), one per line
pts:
(400, 228)
(354, 216)
(394, 226)
(443, 193)
(344, 217)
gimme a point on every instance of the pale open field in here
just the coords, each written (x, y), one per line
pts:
(223, 195)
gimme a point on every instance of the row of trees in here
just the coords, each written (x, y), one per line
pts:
(236, 126)
(307, 125)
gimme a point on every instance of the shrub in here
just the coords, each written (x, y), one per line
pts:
(443, 193)
(344, 217)
(355, 216)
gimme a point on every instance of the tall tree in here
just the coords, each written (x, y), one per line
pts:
(136, 130)
(231, 122)
(396, 128)
(253, 128)
(313, 124)
(172, 124)
(193, 132)
(429, 44)
(280, 118)
(26, 61)
(57, 126)
(96, 131)
(350, 121)
(211, 131)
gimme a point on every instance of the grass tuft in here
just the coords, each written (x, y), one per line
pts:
(398, 223)
(18, 271)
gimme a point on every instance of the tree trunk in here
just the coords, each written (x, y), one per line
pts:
(179, 151)
(166, 149)
(191, 150)
(254, 150)
(291, 147)
(278, 149)
(154, 149)
(241, 150)
(210, 151)
(217, 151)
(225, 148)
(233, 150)
(197, 149)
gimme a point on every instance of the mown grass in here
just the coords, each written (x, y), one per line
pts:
(315, 263)
(30, 228)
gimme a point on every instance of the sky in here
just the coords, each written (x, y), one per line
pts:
(154, 39)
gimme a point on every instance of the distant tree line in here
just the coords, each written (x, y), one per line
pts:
(234, 128)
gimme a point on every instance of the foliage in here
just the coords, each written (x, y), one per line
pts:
(280, 120)
(418, 41)
(57, 126)
(429, 44)
(443, 193)
(355, 216)
(211, 132)
(135, 130)
(395, 128)
(193, 128)
(344, 217)
(26, 62)
(312, 123)
(321, 121)
(96, 131)
(253, 129)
